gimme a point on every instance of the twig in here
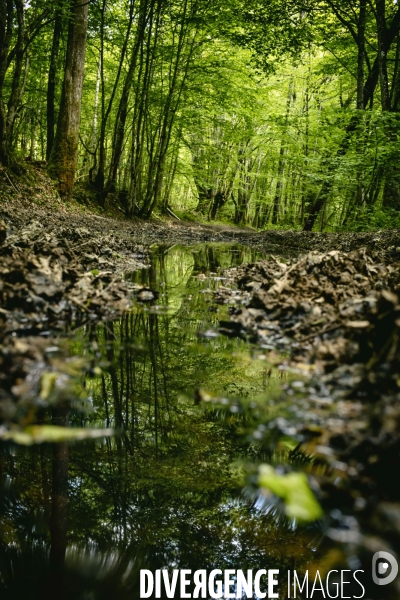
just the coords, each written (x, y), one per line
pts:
(11, 183)
(327, 330)
(169, 211)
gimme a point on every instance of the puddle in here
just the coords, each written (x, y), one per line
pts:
(80, 521)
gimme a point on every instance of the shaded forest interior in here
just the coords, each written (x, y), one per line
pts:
(268, 113)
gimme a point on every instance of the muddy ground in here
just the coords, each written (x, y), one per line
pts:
(63, 269)
(334, 318)
(328, 302)
(129, 234)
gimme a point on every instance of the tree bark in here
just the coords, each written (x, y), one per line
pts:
(361, 54)
(51, 81)
(64, 154)
(6, 31)
(382, 52)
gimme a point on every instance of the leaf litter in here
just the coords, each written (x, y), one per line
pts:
(333, 313)
(51, 281)
(332, 319)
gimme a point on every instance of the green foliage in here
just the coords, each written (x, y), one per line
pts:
(248, 112)
(293, 488)
(375, 218)
(38, 434)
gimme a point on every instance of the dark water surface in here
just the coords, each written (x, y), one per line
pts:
(80, 520)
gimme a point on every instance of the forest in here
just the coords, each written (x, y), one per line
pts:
(269, 113)
(199, 298)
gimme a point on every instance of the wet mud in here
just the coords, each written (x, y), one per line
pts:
(332, 320)
(323, 307)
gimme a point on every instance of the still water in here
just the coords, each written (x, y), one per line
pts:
(173, 488)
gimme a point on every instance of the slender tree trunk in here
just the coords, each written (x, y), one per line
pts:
(6, 32)
(176, 87)
(382, 54)
(105, 112)
(147, 57)
(146, 15)
(395, 97)
(281, 164)
(14, 97)
(64, 154)
(52, 80)
(361, 54)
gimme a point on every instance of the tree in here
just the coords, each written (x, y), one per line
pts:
(64, 153)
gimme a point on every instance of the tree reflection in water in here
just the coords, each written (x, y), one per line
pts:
(164, 492)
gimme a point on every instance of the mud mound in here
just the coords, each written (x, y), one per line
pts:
(308, 297)
(339, 311)
(45, 280)
(386, 242)
(48, 284)
(336, 316)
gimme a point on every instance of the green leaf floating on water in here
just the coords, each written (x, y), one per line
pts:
(37, 434)
(293, 488)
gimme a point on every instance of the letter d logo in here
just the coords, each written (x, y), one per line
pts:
(386, 561)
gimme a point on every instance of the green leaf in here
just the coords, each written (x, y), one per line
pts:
(293, 488)
(37, 434)
(47, 382)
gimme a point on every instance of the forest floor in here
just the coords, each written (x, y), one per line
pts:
(332, 320)
(328, 302)
(30, 197)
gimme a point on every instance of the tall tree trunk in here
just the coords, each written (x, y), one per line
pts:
(64, 154)
(395, 92)
(105, 113)
(361, 54)
(382, 54)
(15, 95)
(146, 18)
(6, 31)
(52, 79)
(281, 164)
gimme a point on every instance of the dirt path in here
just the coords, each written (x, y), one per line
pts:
(146, 233)
(333, 312)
